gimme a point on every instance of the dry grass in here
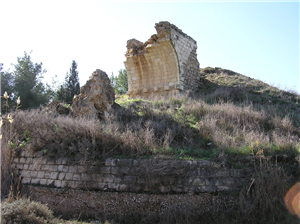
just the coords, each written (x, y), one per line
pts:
(25, 211)
(232, 114)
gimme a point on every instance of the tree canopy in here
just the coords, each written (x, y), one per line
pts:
(120, 82)
(28, 84)
(71, 86)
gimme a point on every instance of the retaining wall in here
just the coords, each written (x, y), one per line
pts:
(130, 175)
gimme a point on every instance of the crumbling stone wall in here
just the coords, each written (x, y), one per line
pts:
(130, 175)
(166, 63)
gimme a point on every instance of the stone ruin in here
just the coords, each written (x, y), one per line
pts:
(166, 63)
(95, 101)
(96, 98)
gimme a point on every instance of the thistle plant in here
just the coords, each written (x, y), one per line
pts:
(10, 182)
(5, 96)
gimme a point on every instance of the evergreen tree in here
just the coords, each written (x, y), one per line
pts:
(6, 81)
(28, 85)
(71, 85)
(120, 82)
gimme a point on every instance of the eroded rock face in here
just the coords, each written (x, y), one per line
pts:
(96, 97)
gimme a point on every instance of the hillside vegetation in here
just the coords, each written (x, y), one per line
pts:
(232, 119)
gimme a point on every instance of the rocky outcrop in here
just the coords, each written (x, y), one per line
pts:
(96, 97)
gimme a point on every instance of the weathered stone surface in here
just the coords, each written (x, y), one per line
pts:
(96, 97)
(143, 175)
(163, 65)
(58, 107)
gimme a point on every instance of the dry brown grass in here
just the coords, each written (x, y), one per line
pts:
(243, 118)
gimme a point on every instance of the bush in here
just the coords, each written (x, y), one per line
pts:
(24, 211)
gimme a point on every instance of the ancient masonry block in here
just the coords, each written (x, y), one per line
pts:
(165, 64)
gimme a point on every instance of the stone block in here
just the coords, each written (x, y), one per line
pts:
(42, 161)
(141, 180)
(76, 176)
(207, 172)
(61, 176)
(16, 160)
(97, 177)
(86, 177)
(144, 162)
(212, 181)
(38, 154)
(102, 186)
(40, 174)
(20, 166)
(69, 176)
(26, 180)
(64, 183)
(164, 189)
(43, 181)
(54, 175)
(45, 167)
(117, 180)
(112, 186)
(57, 183)
(207, 188)
(26, 167)
(177, 189)
(228, 181)
(105, 169)
(60, 168)
(124, 162)
(35, 181)
(114, 170)
(25, 173)
(29, 160)
(124, 170)
(73, 169)
(47, 175)
(33, 174)
(52, 168)
(222, 172)
(58, 161)
(123, 187)
(81, 169)
(129, 179)
(51, 161)
(199, 181)
(235, 173)
(222, 188)
(135, 163)
(22, 160)
(215, 165)
(108, 179)
(64, 161)
(50, 183)
(75, 184)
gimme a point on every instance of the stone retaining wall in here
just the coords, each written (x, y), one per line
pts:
(130, 175)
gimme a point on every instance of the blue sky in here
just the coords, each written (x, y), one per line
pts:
(256, 39)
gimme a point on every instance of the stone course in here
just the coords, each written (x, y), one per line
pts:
(165, 64)
(131, 175)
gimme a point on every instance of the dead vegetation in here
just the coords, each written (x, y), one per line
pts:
(231, 118)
